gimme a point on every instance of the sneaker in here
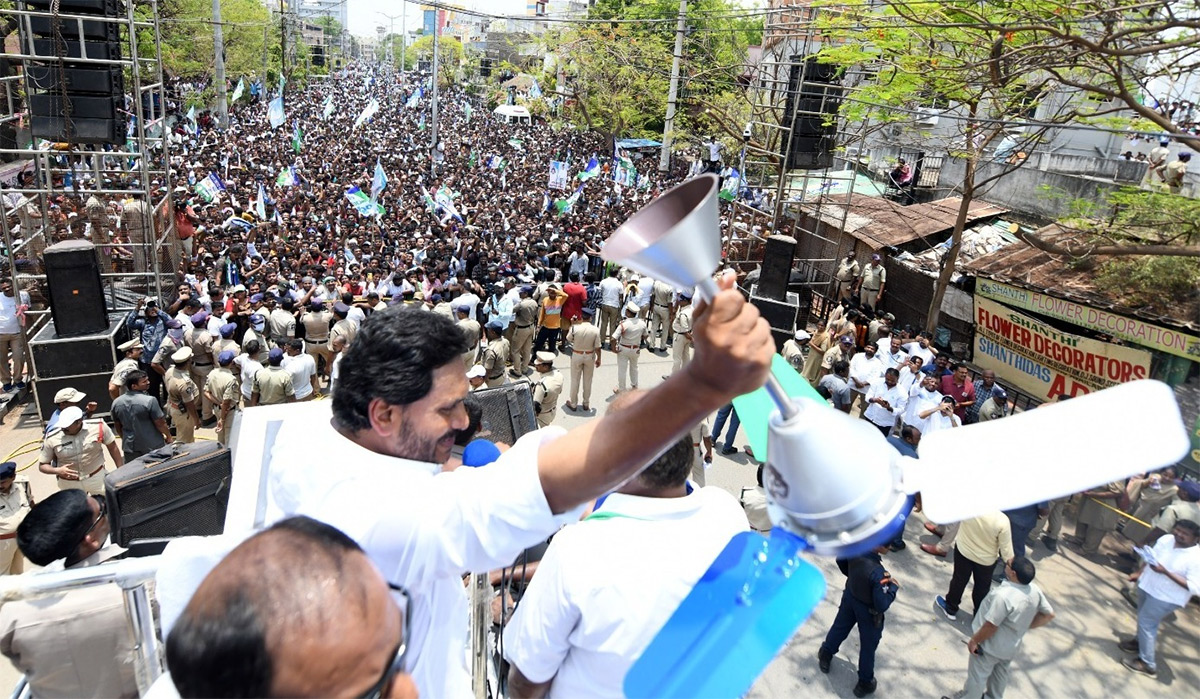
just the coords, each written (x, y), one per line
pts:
(1137, 665)
(941, 603)
(862, 689)
(729, 450)
(823, 660)
(20, 385)
(1130, 646)
(7, 387)
(1051, 544)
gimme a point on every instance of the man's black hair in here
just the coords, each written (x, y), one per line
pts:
(892, 372)
(393, 358)
(1188, 525)
(54, 528)
(133, 377)
(1024, 569)
(671, 468)
(252, 347)
(222, 651)
(296, 344)
(841, 367)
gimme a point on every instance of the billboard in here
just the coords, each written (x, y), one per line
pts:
(1043, 361)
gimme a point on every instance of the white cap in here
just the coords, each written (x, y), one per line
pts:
(802, 335)
(69, 416)
(476, 371)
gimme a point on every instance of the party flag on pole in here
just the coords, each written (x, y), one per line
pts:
(592, 169)
(275, 112)
(237, 91)
(379, 181)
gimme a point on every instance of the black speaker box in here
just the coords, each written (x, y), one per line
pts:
(95, 353)
(80, 131)
(94, 385)
(179, 490)
(83, 107)
(778, 253)
(108, 8)
(507, 412)
(89, 80)
(69, 29)
(811, 152)
(76, 295)
(780, 315)
(96, 50)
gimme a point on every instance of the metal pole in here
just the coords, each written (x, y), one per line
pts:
(282, 48)
(219, 65)
(664, 158)
(262, 95)
(403, 35)
(481, 619)
(433, 127)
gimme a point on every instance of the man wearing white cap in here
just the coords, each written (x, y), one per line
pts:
(75, 454)
(182, 394)
(65, 398)
(795, 350)
(476, 376)
(547, 387)
(133, 353)
(627, 343)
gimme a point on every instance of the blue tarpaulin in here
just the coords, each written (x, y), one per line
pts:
(632, 143)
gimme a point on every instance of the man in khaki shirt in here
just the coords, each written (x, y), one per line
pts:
(225, 392)
(15, 502)
(871, 282)
(344, 327)
(495, 354)
(316, 335)
(584, 339)
(627, 343)
(661, 296)
(75, 453)
(981, 540)
(547, 386)
(681, 346)
(273, 383)
(201, 343)
(472, 330)
(226, 342)
(525, 314)
(182, 394)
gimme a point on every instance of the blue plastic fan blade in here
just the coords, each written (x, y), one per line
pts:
(733, 623)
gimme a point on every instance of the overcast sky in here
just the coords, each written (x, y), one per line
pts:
(364, 17)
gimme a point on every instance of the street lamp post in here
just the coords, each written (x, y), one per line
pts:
(391, 54)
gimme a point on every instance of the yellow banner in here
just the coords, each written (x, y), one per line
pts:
(1045, 362)
(1130, 329)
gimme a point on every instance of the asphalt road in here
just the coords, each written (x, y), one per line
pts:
(922, 653)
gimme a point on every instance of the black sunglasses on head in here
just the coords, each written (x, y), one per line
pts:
(404, 602)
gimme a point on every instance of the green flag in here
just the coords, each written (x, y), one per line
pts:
(471, 161)
(297, 138)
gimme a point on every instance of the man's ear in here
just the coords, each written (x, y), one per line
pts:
(386, 419)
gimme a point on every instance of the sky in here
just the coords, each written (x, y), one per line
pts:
(363, 15)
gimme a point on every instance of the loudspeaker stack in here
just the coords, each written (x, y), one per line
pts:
(812, 100)
(71, 99)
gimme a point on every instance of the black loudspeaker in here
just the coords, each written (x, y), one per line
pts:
(94, 385)
(70, 101)
(76, 294)
(810, 112)
(179, 490)
(778, 253)
(84, 363)
(780, 314)
(507, 412)
(318, 56)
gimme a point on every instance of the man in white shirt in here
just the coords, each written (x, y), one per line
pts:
(12, 334)
(891, 352)
(923, 396)
(248, 367)
(610, 302)
(921, 348)
(661, 535)
(396, 411)
(865, 368)
(1164, 585)
(303, 369)
(885, 401)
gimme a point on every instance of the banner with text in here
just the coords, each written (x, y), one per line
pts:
(1119, 326)
(1043, 361)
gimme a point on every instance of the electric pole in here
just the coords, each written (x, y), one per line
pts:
(433, 130)
(219, 65)
(664, 158)
(262, 95)
(282, 48)
(403, 35)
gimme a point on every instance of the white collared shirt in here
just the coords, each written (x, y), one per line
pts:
(1182, 561)
(608, 584)
(865, 369)
(422, 528)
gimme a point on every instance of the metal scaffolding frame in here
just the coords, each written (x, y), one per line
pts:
(58, 174)
(801, 202)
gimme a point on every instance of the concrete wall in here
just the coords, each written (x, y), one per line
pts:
(1022, 190)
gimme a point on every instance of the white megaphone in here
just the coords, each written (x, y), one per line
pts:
(676, 238)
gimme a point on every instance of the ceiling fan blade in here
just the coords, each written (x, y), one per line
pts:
(1049, 452)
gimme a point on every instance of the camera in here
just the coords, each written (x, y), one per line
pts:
(746, 133)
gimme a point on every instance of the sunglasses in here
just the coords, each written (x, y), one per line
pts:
(404, 602)
(103, 506)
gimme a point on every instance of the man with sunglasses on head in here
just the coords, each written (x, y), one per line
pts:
(297, 610)
(76, 643)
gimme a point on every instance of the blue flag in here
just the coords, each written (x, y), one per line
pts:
(275, 112)
(379, 181)
(592, 169)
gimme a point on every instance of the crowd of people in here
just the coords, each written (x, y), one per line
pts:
(464, 272)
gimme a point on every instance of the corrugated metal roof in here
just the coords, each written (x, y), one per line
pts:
(882, 222)
(1023, 265)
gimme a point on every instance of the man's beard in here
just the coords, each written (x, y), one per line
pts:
(418, 447)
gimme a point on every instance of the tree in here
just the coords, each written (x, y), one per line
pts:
(187, 38)
(450, 56)
(985, 60)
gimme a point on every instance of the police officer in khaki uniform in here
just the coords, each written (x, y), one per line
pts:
(584, 338)
(273, 384)
(661, 296)
(200, 341)
(547, 386)
(846, 275)
(75, 454)
(344, 327)
(15, 501)
(281, 323)
(495, 354)
(316, 335)
(182, 394)
(681, 347)
(525, 315)
(257, 331)
(225, 392)
(133, 353)
(871, 282)
(627, 343)
(225, 343)
(161, 362)
(472, 330)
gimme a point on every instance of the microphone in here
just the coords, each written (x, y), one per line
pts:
(480, 452)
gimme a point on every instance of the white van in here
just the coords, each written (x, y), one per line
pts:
(513, 114)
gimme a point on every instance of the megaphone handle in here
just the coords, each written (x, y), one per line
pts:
(707, 289)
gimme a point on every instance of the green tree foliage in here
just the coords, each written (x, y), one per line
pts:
(187, 36)
(1152, 282)
(450, 56)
